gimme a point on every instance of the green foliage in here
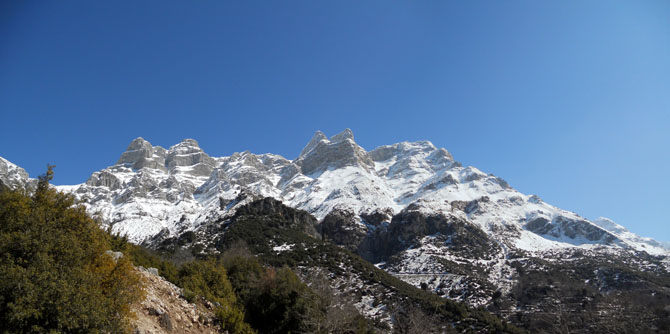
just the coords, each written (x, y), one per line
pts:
(277, 304)
(276, 300)
(54, 274)
(260, 232)
(598, 292)
(144, 257)
(200, 278)
(209, 279)
(244, 273)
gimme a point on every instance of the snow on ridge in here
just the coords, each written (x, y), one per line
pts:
(144, 201)
(648, 245)
(14, 176)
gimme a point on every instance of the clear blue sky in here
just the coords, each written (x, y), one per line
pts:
(569, 100)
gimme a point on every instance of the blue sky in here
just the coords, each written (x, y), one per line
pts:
(569, 100)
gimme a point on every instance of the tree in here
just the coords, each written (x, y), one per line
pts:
(209, 279)
(277, 304)
(331, 312)
(55, 276)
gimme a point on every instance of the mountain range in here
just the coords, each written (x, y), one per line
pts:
(152, 189)
(408, 208)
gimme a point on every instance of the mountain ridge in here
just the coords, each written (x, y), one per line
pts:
(409, 209)
(149, 186)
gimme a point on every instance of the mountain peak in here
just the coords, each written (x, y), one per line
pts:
(188, 154)
(346, 134)
(341, 150)
(321, 137)
(316, 139)
(187, 145)
(137, 153)
(137, 144)
(189, 142)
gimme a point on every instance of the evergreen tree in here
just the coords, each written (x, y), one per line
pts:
(208, 279)
(55, 275)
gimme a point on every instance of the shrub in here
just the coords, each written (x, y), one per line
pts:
(209, 279)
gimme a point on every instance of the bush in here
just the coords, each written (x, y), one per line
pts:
(144, 257)
(278, 303)
(209, 279)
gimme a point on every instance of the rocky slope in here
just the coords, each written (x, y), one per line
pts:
(164, 310)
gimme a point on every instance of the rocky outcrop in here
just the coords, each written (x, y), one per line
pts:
(188, 154)
(290, 217)
(377, 216)
(561, 227)
(316, 139)
(165, 311)
(141, 154)
(340, 151)
(341, 228)
(470, 207)
(15, 177)
(408, 228)
(104, 179)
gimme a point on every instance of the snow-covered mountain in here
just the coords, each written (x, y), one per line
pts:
(152, 190)
(13, 176)
(409, 208)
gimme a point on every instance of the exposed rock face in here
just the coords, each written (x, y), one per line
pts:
(104, 179)
(470, 207)
(295, 219)
(316, 139)
(341, 227)
(164, 311)
(15, 177)
(186, 156)
(377, 216)
(115, 255)
(572, 228)
(408, 228)
(340, 151)
(190, 156)
(141, 154)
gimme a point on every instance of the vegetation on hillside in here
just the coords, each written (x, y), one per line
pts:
(55, 273)
(597, 294)
(267, 227)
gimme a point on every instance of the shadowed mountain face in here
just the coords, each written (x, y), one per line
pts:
(444, 256)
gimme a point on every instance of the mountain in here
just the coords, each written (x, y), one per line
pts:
(151, 189)
(13, 176)
(409, 208)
